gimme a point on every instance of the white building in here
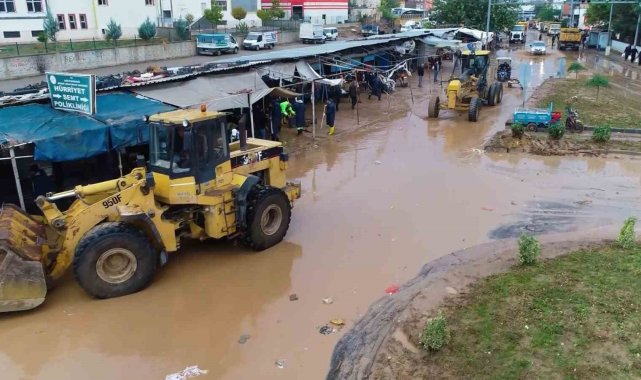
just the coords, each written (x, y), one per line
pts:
(174, 9)
(21, 20)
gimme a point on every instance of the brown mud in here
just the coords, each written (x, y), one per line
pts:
(380, 199)
(385, 343)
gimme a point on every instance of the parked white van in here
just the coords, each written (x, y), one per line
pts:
(260, 40)
(331, 34)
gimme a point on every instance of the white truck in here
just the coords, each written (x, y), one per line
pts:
(517, 34)
(555, 29)
(260, 40)
(311, 33)
(216, 44)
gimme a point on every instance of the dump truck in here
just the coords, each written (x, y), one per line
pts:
(569, 38)
(472, 89)
(116, 234)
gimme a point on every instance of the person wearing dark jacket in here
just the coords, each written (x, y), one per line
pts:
(259, 121)
(330, 114)
(276, 120)
(377, 88)
(633, 54)
(299, 108)
(336, 94)
(420, 71)
(353, 92)
(627, 52)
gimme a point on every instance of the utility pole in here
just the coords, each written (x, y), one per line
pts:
(609, 47)
(487, 25)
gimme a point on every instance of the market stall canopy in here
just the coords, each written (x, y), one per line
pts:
(307, 72)
(65, 136)
(219, 92)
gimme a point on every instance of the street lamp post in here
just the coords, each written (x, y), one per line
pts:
(609, 46)
(487, 25)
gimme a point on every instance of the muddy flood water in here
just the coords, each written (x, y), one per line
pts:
(379, 201)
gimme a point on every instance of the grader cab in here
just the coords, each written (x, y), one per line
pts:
(471, 89)
(117, 233)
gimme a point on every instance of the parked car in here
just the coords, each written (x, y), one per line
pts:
(369, 30)
(216, 44)
(260, 40)
(331, 34)
(537, 48)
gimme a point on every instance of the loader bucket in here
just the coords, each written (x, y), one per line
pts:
(22, 279)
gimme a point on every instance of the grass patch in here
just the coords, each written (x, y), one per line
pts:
(13, 50)
(573, 317)
(615, 107)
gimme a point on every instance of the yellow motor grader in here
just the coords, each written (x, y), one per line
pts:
(117, 233)
(471, 89)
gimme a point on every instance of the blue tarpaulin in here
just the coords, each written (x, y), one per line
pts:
(65, 136)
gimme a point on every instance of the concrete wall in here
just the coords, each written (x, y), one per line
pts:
(17, 67)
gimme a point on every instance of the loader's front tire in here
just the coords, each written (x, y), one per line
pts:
(433, 107)
(268, 215)
(113, 260)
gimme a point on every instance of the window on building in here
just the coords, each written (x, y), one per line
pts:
(166, 14)
(103, 2)
(62, 25)
(149, 2)
(203, 6)
(72, 22)
(83, 21)
(11, 34)
(7, 6)
(36, 33)
(222, 4)
(34, 5)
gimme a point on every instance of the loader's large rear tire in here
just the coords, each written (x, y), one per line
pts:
(113, 260)
(268, 215)
(475, 108)
(491, 96)
(433, 107)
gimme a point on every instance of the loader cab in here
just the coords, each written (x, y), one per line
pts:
(185, 149)
(474, 62)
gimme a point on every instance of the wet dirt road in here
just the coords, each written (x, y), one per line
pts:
(378, 203)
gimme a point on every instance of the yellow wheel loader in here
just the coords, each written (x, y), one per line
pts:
(471, 89)
(117, 233)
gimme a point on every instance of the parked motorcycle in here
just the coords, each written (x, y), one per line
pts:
(572, 121)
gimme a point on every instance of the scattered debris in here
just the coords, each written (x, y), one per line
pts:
(326, 330)
(583, 203)
(487, 209)
(189, 372)
(328, 301)
(451, 290)
(293, 297)
(513, 203)
(392, 289)
(244, 338)
(337, 322)
(377, 162)
(280, 363)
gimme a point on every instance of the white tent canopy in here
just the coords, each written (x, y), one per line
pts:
(307, 72)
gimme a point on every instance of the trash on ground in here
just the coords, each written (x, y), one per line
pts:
(337, 322)
(189, 372)
(244, 338)
(391, 289)
(487, 209)
(328, 301)
(280, 363)
(377, 162)
(326, 330)
(293, 297)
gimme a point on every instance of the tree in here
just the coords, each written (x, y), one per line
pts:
(147, 30)
(214, 14)
(386, 7)
(276, 10)
(472, 13)
(546, 12)
(598, 81)
(113, 32)
(576, 67)
(264, 15)
(189, 18)
(624, 18)
(50, 26)
(182, 29)
(238, 13)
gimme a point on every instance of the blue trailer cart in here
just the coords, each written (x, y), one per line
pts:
(536, 118)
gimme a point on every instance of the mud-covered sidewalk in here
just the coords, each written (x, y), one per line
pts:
(384, 344)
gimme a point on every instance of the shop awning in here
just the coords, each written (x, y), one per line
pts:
(307, 72)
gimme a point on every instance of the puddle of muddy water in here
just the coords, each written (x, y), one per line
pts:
(378, 203)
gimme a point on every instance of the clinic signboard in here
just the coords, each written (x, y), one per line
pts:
(72, 92)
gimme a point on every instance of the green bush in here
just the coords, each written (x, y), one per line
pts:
(602, 134)
(189, 18)
(147, 30)
(517, 130)
(182, 29)
(435, 334)
(626, 235)
(42, 38)
(556, 131)
(114, 31)
(529, 250)
(242, 28)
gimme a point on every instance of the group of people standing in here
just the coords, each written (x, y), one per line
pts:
(631, 53)
(434, 64)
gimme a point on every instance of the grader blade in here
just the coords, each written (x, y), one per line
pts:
(22, 279)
